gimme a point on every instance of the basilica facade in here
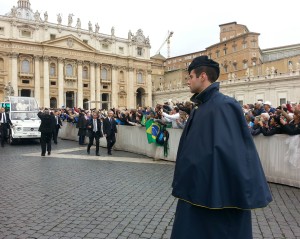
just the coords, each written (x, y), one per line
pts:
(63, 65)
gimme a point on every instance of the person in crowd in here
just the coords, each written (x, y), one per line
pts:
(181, 122)
(258, 109)
(95, 132)
(256, 128)
(46, 129)
(57, 125)
(272, 127)
(268, 108)
(218, 176)
(81, 126)
(172, 117)
(110, 130)
(249, 120)
(5, 124)
(292, 127)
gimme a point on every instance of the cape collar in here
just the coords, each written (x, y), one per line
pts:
(202, 97)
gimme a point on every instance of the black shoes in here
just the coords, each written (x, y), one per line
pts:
(42, 154)
(88, 151)
(109, 153)
(97, 154)
(49, 152)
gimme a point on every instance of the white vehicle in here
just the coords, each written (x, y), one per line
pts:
(23, 115)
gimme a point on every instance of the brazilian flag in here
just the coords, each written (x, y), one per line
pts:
(152, 130)
(144, 119)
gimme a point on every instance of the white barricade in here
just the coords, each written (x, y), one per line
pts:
(279, 154)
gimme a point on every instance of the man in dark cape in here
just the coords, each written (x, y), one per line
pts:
(218, 176)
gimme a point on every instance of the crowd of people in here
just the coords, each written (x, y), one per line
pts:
(264, 119)
(261, 117)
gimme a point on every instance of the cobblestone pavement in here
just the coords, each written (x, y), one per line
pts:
(66, 195)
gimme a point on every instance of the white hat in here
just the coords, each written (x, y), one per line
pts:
(268, 103)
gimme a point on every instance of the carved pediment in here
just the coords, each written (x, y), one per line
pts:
(69, 42)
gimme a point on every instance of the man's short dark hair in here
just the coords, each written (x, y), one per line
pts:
(209, 71)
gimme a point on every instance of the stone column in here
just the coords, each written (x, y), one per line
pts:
(130, 89)
(98, 85)
(149, 89)
(79, 86)
(46, 82)
(114, 87)
(92, 83)
(61, 97)
(37, 79)
(14, 72)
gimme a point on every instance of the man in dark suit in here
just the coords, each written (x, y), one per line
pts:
(5, 123)
(46, 129)
(110, 130)
(95, 132)
(57, 125)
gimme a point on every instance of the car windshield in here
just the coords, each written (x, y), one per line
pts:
(23, 104)
(24, 116)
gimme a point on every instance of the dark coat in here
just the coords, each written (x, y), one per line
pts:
(217, 164)
(109, 128)
(47, 123)
(90, 129)
(291, 129)
(8, 121)
(81, 125)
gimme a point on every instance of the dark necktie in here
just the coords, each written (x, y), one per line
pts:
(4, 118)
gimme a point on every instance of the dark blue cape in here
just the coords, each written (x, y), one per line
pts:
(217, 164)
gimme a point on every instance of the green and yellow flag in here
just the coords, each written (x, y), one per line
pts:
(152, 130)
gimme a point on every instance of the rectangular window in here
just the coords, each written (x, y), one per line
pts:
(217, 53)
(105, 87)
(234, 48)
(235, 67)
(121, 50)
(25, 81)
(254, 44)
(53, 83)
(105, 46)
(52, 36)
(25, 33)
(225, 51)
(1, 30)
(282, 101)
(244, 45)
(85, 85)
(139, 51)
(245, 66)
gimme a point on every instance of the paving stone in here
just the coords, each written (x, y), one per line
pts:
(62, 197)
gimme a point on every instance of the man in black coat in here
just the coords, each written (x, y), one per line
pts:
(46, 129)
(5, 123)
(110, 130)
(218, 175)
(57, 125)
(95, 132)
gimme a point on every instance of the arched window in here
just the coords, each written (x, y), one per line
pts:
(25, 68)
(69, 70)
(52, 69)
(53, 102)
(104, 74)
(85, 72)
(139, 78)
(85, 104)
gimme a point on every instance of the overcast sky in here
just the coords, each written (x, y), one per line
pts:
(195, 23)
